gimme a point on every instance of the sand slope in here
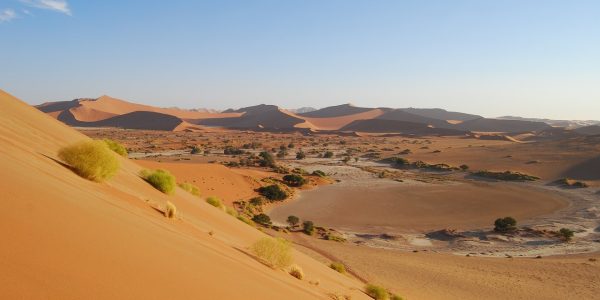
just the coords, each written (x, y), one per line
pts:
(69, 238)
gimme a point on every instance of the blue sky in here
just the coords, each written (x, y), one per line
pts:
(528, 58)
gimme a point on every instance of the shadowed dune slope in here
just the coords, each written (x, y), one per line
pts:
(498, 125)
(588, 130)
(393, 126)
(336, 111)
(255, 117)
(440, 114)
(134, 120)
(65, 237)
(401, 115)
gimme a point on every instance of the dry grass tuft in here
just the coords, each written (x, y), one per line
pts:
(296, 271)
(275, 252)
(170, 210)
(92, 160)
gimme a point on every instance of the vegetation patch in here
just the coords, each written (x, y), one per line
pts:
(214, 201)
(273, 192)
(506, 224)
(377, 292)
(116, 147)
(190, 188)
(308, 227)
(275, 252)
(160, 179)
(572, 183)
(319, 173)
(92, 160)
(170, 210)
(566, 234)
(506, 176)
(294, 180)
(262, 219)
(296, 271)
(338, 266)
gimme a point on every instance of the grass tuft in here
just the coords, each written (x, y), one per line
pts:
(339, 267)
(214, 201)
(116, 147)
(296, 271)
(160, 179)
(92, 160)
(190, 188)
(170, 210)
(275, 252)
(377, 292)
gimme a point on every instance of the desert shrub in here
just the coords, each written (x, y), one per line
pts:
(257, 201)
(296, 271)
(92, 160)
(160, 179)
(273, 192)
(245, 220)
(300, 155)
(266, 159)
(230, 211)
(506, 176)
(377, 292)
(395, 297)
(214, 201)
(262, 219)
(335, 238)
(566, 234)
(294, 180)
(328, 154)
(291, 145)
(116, 147)
(338, 266)
(190, 188)
(275, 252)
(319, 173)
(405, 151)
(229, 150)
(505, 224)
(170, 210)
(308, 227)
(293, 221)
(195, 150)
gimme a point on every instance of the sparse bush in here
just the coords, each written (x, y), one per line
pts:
(464, 167)
(377, 292)
(257, 201)
(116, 147)
(505, 224)
(214, 201)
(262, 219)
(300, 155)
(245, 220)
(395, 297)
(160, 179)
(294, 180)
(273, 192)
(328, 154)
(266, 160)
(296, 271)
(196, 150)
(230, 211)
(506, 176)
(319, 173)
(308, 227)
(293, 221)
(92, 160)
(335, 238)
(229, 150)
(338, 266)
(566, 234)
(190, 188)
(275, 252)
(170, 210)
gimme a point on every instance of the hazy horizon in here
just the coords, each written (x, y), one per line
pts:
(536, 59)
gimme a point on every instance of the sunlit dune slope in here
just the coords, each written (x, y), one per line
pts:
(65, 237)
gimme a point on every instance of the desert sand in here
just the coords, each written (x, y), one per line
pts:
(69, 238)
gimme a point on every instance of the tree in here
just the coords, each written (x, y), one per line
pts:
(300, 154)
(293, 221)
(308, 227)
(273, 192)
(505, 224)
(262, 219)
(294, 180)
(566, 234)
(266, 160)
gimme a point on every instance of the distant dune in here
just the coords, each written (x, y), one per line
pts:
(497, 125)
(393, 126)
(336, 111)
(440, 114)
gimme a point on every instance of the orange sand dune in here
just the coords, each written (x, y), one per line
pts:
(335, 123)
(65, 237)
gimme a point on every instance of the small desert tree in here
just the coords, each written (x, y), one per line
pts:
(273, 192)
(266, 159)
(294, 180)
(262, 219)
(566, 234)
(505, 224)
(293, 221)
(308, 227)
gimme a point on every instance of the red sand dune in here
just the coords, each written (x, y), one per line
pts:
(65, 237)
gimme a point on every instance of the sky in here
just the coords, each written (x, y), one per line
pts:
(493, 58)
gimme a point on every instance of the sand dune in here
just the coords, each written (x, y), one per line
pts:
(69, 238)
(394, 126)
(441, 114)
(336, 111)
(256, 117)
(336, 123)
(498, 125)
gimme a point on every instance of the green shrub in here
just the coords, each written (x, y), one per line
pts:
(296, 271)
(92, 160)
(338, 266)
(505, 224)
(230, 211)
(293, 221)
(308, 227)
(262, 219)
(245, 220)
(294, 180)
(170, 210)
(257, 201)
(319, 173)
(214, 201)
(116, 147)
(566, 234)
(160, 179)
(190, 188)
(275, 252)
(377, 292)
(273, 192)
(266, 159)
